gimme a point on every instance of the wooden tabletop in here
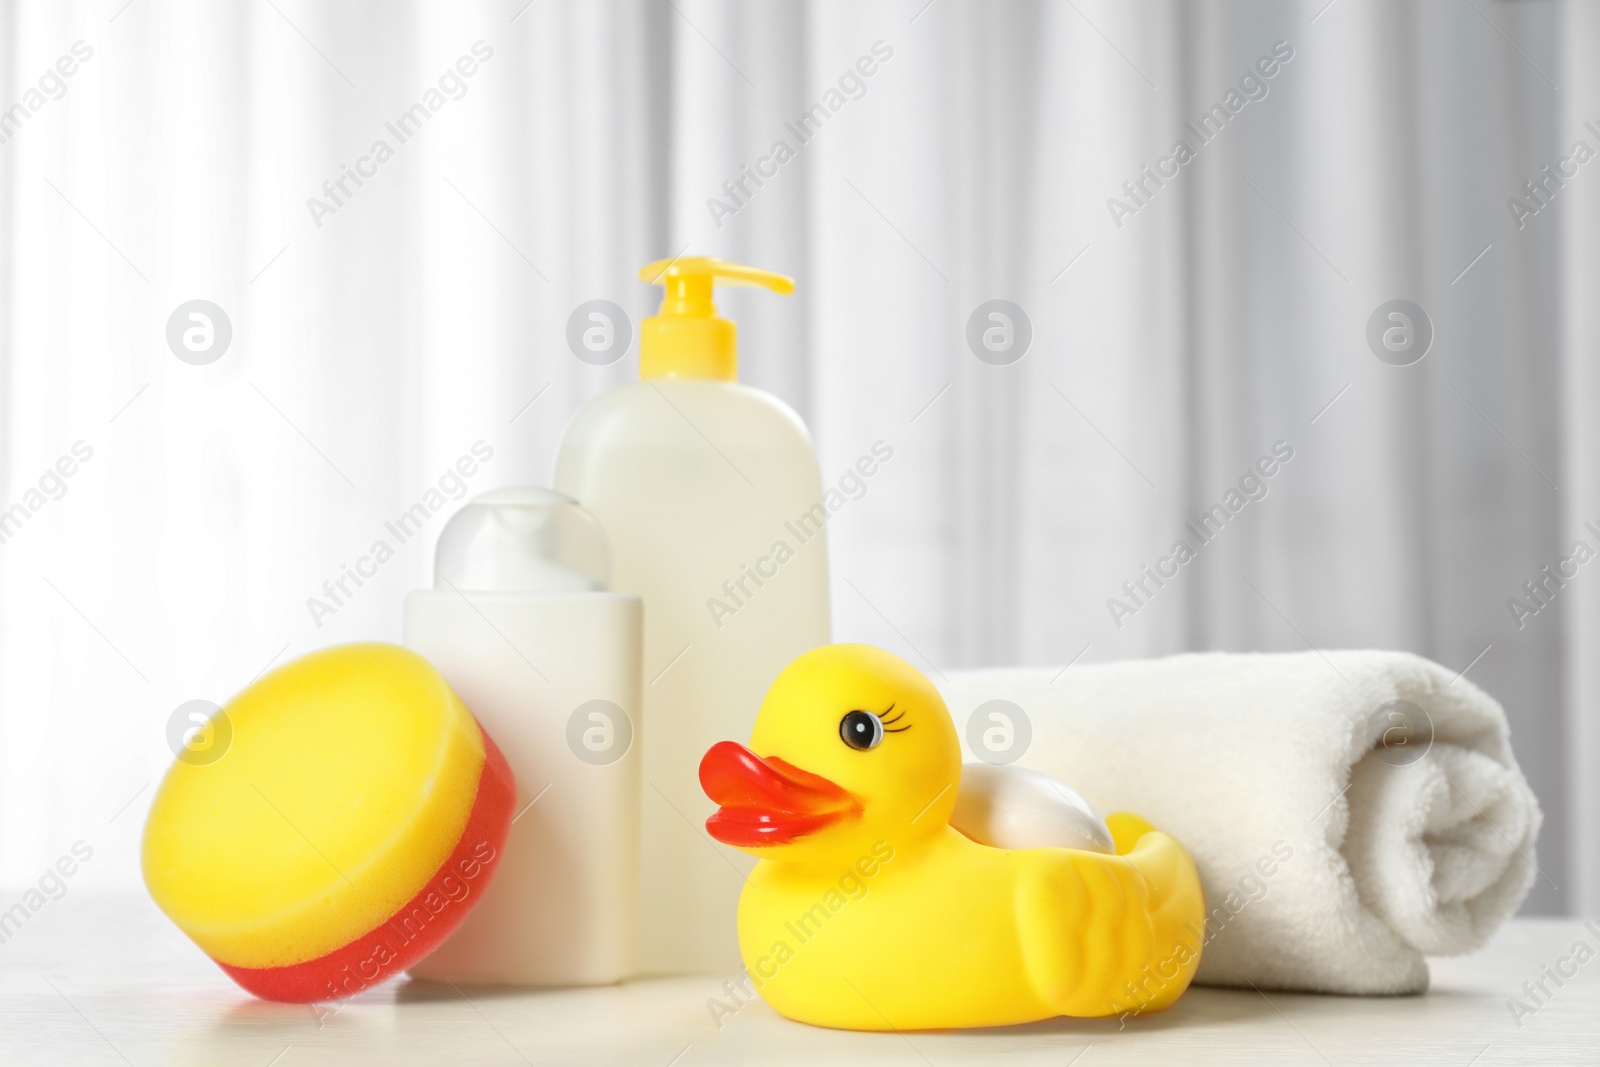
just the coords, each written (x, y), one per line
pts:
(107, 980)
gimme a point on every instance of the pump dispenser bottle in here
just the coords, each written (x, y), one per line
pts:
(521, 626)
(711, 496)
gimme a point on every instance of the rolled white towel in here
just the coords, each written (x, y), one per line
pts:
(1349, 812)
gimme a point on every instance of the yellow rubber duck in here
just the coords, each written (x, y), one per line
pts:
(868, 911)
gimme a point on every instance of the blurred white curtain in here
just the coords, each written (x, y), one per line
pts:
(1580, 401)
(974, 162)
(369, 352)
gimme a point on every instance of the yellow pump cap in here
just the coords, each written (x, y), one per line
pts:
(688, 339)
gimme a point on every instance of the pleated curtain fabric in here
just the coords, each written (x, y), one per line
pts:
(1191, 317)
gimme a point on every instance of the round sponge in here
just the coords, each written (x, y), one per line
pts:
(354, 819)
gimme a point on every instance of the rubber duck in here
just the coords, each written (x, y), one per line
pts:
(868, 910)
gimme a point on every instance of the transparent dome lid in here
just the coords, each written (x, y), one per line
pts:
(522, 541)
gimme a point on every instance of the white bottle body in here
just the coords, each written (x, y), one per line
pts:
(698, 483)
(563, 906)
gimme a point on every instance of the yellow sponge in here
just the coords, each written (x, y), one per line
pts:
(356, 816)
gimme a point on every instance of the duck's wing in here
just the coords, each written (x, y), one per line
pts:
(1015, 808)
(1112, 935)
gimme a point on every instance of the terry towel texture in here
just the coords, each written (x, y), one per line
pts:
(1332, 861)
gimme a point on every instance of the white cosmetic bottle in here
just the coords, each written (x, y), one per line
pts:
(521, 626)
(710, 494)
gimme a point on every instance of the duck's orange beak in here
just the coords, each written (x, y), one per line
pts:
(767, 801)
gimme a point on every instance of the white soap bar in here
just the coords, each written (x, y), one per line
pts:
(1012, 807)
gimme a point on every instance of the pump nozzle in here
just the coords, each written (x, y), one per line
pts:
(688, 339)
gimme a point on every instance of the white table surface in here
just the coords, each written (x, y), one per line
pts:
(107, 980)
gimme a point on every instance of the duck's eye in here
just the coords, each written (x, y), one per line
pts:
(861, 729)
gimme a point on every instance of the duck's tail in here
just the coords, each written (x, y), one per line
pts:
(1114, 935)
